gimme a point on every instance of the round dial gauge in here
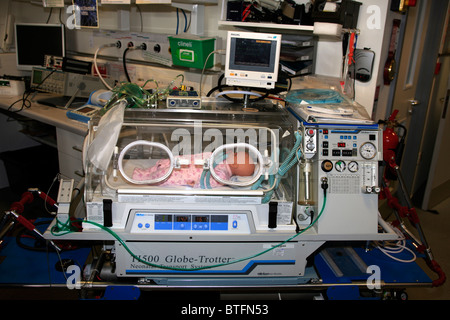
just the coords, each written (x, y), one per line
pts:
(353, 166)
(368, 150)
(339, 166)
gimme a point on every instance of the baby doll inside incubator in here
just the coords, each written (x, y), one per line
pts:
(161, 164)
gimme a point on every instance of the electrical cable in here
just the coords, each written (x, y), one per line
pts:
(240, 100)
(140, 14)
(25, 102)
(389, 248)
(124, 59)
(57, 177)
(185, 20)
(189, 22)
(25, 233)
(49, 15)
(204, 67)
(178, 22)
(60, 17)
(117, 44)
(250, 93)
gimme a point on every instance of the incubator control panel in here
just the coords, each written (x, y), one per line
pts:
(350, 157)
(348, 144)
(152, 222)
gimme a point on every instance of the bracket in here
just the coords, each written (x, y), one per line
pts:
(197, 16)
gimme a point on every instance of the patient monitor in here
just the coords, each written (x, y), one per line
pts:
(252, 59)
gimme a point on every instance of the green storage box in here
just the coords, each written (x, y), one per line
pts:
(191, 51)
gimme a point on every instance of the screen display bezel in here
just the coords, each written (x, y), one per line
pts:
(33, 41)
(248, 74)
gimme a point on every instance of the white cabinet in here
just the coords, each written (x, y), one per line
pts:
(70, 148)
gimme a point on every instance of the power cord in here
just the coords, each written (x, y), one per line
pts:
(25, 102)
(118, 45)
(221, 86)
(130, 46)
(204, 67)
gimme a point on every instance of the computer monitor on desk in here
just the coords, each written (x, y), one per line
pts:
(252, 59)
(35, 41)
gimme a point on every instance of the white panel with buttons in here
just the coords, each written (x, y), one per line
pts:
(346, 153)
(206, 223)
(309, 142)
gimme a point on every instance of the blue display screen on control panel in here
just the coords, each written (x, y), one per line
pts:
(191, 222)
(163, 222)
(219, 222)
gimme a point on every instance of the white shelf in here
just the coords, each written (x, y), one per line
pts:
(267, 25)
(179, 1)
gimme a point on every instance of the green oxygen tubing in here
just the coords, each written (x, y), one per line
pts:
(67, 226)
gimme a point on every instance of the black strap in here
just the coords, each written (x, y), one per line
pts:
(273, 211)
(107, 213)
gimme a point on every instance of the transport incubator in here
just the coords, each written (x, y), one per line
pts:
(225, 193)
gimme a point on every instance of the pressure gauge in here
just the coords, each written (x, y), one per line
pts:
(368, 150)
(339, 166)
(353, 166)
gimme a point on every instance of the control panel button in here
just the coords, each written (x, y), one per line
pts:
(336, 152)
(347, 153)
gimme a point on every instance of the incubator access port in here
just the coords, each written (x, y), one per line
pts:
(237, 165)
